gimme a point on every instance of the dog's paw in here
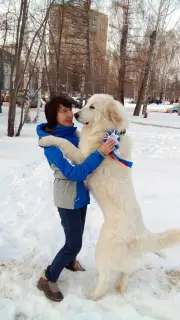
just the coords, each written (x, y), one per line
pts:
(120, 289)
(94, 296)
(45, 141)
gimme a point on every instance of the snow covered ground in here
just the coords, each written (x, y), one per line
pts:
(156, 116)
(153, 107)
(31, 233)
(158, 119)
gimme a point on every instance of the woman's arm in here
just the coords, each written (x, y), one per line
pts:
(78, 172)
(68, 149)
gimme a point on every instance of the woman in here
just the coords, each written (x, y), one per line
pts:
(71, 197)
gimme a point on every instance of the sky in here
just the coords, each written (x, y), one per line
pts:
(103, 6)
(171, 20)
(174, 18)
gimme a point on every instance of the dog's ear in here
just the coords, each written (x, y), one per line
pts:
(114, 113)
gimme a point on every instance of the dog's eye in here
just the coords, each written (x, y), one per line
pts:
(92, 107)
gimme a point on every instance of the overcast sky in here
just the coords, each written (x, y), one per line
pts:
(171, 20)
(104, 7)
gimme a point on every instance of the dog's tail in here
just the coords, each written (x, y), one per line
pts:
(152, 242)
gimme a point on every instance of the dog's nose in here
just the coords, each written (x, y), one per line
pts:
(76, 115)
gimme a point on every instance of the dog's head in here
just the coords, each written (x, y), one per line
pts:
(103, 110)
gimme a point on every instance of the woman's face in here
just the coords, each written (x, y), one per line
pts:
(65, 116)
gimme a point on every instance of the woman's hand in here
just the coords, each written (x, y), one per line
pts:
(107, 147)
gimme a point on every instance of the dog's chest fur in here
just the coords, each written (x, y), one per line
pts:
(90, 141)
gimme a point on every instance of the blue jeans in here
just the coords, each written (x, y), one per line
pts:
(73, 222)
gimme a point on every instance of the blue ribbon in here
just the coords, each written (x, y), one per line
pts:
(113, 134)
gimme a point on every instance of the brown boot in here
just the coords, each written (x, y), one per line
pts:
(76, 266)
(50, 289)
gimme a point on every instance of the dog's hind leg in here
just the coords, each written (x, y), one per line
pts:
(104, 280)
(121, 285)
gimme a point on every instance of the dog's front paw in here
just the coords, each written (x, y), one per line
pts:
(45, 141)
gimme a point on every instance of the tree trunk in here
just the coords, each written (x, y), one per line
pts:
(58, 52)
(148, 90)
(36, 119)
(27, 116)
(21, 122)
(161, 95)
(16, 78)
(162, 88)
(40, 74)
(11, 115)
(1, 102)
(123, 46)
(15, 69)
(1, 78)
(146, 73)
(144, 112)
(89, 71)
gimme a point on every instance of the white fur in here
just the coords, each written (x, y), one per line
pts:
(123, 237)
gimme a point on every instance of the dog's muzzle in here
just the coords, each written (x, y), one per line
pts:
(76, 115)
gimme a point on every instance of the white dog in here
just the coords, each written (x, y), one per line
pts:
(123, 237)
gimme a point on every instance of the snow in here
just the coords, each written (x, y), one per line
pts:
(31, 233)
(157, 116)
(158, 119)
(153, 107)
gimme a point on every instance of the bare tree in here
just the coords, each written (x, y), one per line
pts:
(149, 61)
(149, 68)
(124, 21)
(23, 54)
(123, 51)
(39, 36)
(89, 69)
(21, 23)
(158, 19)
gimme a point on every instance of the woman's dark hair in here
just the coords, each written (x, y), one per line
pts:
(52, 106)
